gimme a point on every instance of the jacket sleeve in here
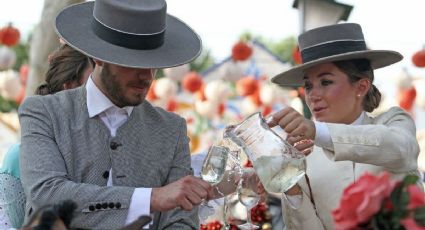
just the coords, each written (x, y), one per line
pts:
(45, 179)
(178, 218)
(390, 142)
(302, 217)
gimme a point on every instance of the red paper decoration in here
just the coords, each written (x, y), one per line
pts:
(407, 98)
(296, 55)
(192, 82)
(151, 96)
(9, 35)
(241, 51)
(171, 105)
(418, 58)
(246, 86)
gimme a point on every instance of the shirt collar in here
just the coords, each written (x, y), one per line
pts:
(359, 120)
(97, 102)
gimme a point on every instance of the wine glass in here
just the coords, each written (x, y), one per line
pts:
(249, 198)
(212, 171)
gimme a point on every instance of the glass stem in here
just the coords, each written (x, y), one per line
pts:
(248, 217)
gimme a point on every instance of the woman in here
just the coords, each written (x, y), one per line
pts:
(68, 68)
(337, 74)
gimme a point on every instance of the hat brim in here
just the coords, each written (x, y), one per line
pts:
(181, 43)
(378, 58)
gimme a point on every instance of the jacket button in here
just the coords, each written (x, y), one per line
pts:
(98, 206)
(105, 175)
(113, 145)
(111, 205)
(91, 208)
(105, 205)
(118, 205)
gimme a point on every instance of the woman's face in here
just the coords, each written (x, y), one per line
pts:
(330, 96)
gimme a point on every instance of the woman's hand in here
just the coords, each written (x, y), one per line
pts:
(299, 129)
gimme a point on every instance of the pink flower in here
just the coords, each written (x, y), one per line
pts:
(361, 200)
(409, 223)
(417, 198)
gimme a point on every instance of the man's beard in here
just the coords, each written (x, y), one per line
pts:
(115, 91)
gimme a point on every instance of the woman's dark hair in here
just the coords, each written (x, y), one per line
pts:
(49, 214)
(66, 65)
(357, 69)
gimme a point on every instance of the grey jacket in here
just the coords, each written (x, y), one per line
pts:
(65, 154)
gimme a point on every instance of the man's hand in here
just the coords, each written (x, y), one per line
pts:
(185, 193)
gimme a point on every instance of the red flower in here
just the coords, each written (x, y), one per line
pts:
(247, 86)
(241, 51)
(362, 199)
(410, 223)
(417, 198)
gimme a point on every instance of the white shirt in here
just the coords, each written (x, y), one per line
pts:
(113, 117)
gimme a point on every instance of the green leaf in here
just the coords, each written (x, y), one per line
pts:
(410, 179)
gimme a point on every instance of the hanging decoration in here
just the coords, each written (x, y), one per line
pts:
(192, 82)
(246, 86)
(7, 57)
(296, 56)
(418, 58)
(9, 35)
(241, 51)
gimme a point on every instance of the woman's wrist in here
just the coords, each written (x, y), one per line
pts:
(295, 190)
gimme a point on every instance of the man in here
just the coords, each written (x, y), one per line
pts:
(102, 145)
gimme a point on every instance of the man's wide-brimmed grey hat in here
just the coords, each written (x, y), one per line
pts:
(333, 43)
(130, 33)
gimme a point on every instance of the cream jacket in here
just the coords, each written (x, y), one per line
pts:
(383, 143)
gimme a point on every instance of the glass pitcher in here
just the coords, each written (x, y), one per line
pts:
(277, 163)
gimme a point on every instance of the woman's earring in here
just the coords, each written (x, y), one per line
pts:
(358, 95)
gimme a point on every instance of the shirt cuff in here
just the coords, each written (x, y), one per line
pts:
(323, 137)
(139, 205)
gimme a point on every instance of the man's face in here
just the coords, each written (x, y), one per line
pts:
(125, 86)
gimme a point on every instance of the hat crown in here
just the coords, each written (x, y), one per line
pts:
(133, 17)
(329, 34)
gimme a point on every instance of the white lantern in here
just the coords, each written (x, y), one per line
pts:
(206, 108)
(177, 73)
(7, 58)
(217, 91)
(10, 85)
(232, 71)
(165, 88)
(267, 94)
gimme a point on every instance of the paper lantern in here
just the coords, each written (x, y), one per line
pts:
(241, 51)
(23, 73)
(177, 73)
(10, 85)
(206, 108)
(217, 90)
(296, 55)
(171, 105)
(267, 94)
(246, 86)
(9, 35)
(406, 98)
(7, 58)
(418, 58)
(248, 106)
(192, 82)
(165, 88)
(151, 96)
(232, 71)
